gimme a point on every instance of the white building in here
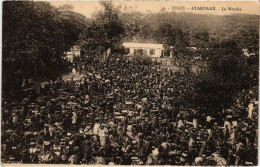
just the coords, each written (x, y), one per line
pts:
(150, 49)
(75, 51)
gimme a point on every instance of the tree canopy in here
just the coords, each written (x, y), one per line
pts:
(104, 32)
(228, 73)
(35, 36)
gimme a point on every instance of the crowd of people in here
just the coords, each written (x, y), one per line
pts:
(124, 113)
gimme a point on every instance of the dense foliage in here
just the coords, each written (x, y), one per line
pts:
(35, 36)
(104, 33)
(228, 73)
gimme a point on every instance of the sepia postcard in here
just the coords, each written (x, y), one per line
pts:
(130, 83)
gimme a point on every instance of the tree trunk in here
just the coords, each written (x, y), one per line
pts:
(109, 52)
(106, 55)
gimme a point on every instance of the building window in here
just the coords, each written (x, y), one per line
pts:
(152, 52)
(139, 52)
(135, 52)
(127, 50)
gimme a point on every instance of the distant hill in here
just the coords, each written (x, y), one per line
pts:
(197, 29)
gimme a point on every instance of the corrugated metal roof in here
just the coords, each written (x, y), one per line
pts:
(143, 45)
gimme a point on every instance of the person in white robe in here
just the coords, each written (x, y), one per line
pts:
(74, 118)
(102, 135)
(96, 128)
(250, 110)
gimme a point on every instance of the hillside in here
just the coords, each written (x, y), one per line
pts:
(195, 29)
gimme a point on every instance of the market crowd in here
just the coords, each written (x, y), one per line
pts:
(125, 113)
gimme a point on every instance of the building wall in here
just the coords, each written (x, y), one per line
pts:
(131, 51)
(157, 52)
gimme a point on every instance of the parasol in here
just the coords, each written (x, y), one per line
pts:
(117, 113)
(134, 158)
(28, 133)
(124, 111)
(120, 117)
(8, 131)
(129, 103)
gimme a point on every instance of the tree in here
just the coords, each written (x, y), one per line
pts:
(35, 37)
(227, 75)
(132, 24)
(105, 32)
(171, 35)
(200, 36)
